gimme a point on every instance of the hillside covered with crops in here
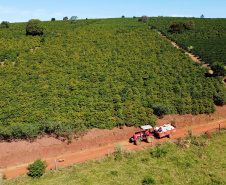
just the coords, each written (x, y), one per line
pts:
(208, 38)
(96, 74)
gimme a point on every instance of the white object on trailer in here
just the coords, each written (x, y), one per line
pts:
(165, 128)
(146, 127)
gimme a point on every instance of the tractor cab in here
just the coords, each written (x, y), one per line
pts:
(146, 134)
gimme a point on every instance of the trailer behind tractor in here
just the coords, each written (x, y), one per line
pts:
(148, 135)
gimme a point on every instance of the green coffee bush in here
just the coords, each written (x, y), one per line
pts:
(148, 180)
(37, 169)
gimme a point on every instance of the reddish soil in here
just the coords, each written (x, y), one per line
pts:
(208, 133)
(16, 156)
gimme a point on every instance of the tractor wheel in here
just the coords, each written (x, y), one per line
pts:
(150, 138)
(170, 135)
(137, 142)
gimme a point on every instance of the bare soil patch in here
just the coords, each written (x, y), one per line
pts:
(224, 80)
(16, 156)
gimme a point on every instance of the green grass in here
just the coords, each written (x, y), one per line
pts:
(203, 162)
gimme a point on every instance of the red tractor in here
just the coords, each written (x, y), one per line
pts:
(143, 135)
(159, 132)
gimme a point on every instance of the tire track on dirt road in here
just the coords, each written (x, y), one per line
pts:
(96, 153)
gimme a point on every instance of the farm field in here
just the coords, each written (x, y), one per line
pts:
(191, 160)
(102, 73)
(207, 39)
(112, 92)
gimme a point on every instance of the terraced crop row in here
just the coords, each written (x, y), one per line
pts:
(96, 73)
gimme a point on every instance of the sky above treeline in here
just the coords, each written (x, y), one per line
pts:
(44, 10)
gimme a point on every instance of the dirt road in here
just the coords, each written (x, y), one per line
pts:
(16, 156)
(193, 57)
(98, 152)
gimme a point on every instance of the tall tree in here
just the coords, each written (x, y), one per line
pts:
(189, 25)
(34, 27)
(65, 18)
(176, 27)
(5, 24)
(73, 18)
